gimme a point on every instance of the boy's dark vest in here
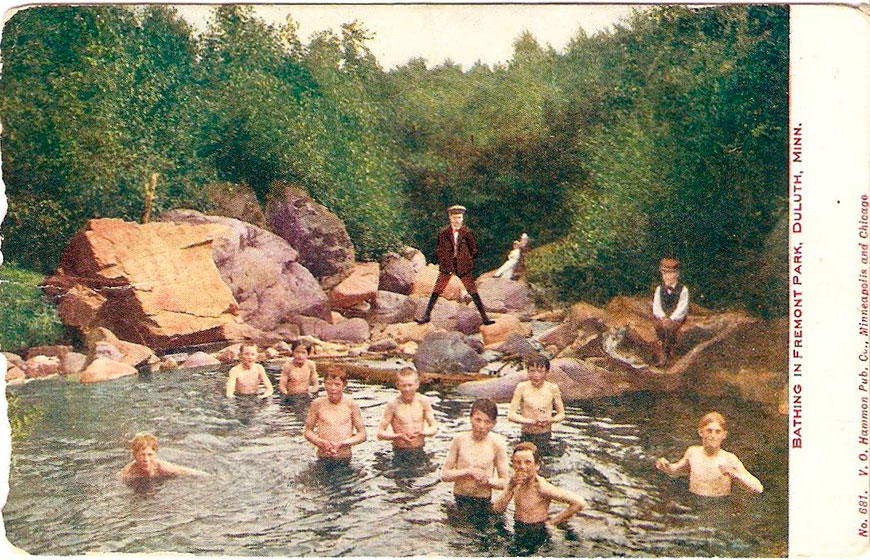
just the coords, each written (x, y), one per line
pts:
(670, 301)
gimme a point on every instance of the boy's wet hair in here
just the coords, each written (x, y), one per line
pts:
(528, 446)
(711, 417)
(299, 344)
(536, 360)
(143, 440)
(407, 372)
(486, 406)
(335, 372)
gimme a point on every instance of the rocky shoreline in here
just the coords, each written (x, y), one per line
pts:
(135, 294)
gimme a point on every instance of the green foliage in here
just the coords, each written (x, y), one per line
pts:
(666, 135)
(28, 319)
(21, 417)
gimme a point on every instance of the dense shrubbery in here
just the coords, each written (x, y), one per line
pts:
(27, 318)
(666, 135)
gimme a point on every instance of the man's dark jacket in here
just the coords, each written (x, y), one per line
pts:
(465, 253)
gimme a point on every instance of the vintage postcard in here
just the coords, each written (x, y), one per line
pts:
(455, 280)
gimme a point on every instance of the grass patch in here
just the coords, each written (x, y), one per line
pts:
(26, 317)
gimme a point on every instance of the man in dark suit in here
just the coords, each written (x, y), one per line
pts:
(455, 253)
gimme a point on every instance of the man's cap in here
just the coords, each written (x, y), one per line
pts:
(456, 209)
(669, 265)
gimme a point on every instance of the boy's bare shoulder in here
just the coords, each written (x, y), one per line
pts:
(522, 386)
(552, 386)
(498, 440)
(422, 399)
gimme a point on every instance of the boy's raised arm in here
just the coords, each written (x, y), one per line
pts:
(679, 468)
(178, 470)
(739, 473)
(501, 503)
(575, 501)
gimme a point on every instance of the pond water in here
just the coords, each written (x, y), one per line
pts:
(268, 497)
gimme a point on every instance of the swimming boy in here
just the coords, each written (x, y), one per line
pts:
(532, 495)
(245, 377)
(534, 402)
(670, 307)
(145, 463)
(298, 375)
(334, 422)
(710, 468)
(409, 415)
(473, 458)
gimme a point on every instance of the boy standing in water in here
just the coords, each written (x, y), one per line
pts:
(710, 468)
(334, 422)
(145, 463)
(670, 307)
(532, 495)
(534, 401)
(298, 375)
(410, 415)
(245, 377)
(472, 458)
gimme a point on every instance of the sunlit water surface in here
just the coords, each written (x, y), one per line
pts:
(269, 497)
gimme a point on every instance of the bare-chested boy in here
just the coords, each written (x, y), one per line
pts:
(145, 463)
(534, 402)
(474, 457)
(245, 377)
(408, 419)
(334, 422)
(532, 495)
(710, 468)
(299, 374)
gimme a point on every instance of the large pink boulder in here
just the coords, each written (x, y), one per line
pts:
(324, 247)
(504, 326)
(390, 307)
(200, 359)
(425, 281)
(397, 274)
(103, 342)
(415, 257)
(15, 373)
(502, 295)
(360, 287)
(42, 366)
(351, 330)
(407, 332)
(104, 369)
(261, 270)
(154, 284)
(73, 362)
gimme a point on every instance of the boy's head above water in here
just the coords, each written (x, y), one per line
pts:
(525, 451)
(483, 416)
(248, 352)
(144, 449)
(712, 429)
(334, 382)
(537, 366)
(407, 381)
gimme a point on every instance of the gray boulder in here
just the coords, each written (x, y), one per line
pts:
(389, 308)
(397, 274)
(447, 352)
(320, 237)
(262, 271)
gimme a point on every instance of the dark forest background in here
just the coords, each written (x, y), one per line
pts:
(666, 135)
